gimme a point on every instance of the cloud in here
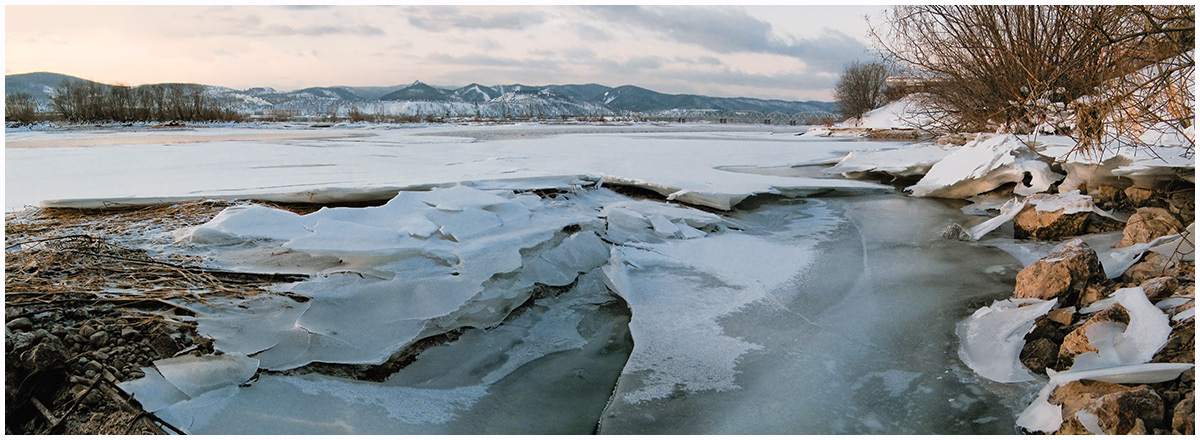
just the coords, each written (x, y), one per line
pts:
(729, 30)
(317, 31)
(478, 60)
(445, 18)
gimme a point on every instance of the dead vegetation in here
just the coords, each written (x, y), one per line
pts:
(83, 313)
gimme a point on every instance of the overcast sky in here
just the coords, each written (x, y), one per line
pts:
(772, 52)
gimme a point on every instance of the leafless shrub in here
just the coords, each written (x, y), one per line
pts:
(1097, 72)
(20, 108)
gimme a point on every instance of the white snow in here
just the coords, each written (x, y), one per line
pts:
(992, 338)
(900, 114)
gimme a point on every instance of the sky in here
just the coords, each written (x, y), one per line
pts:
(769, 52)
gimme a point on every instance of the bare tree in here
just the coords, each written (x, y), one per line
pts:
(861, 88)
(20, 108)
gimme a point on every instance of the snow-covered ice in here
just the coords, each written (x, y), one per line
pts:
(983, 165)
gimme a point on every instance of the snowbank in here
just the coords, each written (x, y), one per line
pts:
(902, 114)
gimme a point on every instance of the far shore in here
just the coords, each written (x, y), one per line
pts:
(173, 137)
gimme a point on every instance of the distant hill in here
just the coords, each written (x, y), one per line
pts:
(36, 84)
(474, 99)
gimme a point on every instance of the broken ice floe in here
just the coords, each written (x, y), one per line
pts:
(914, 160)
(442, 385)
(983, 165)
(422, 264)
(1041, 416)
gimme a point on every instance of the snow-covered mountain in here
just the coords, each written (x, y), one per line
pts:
(418, 98)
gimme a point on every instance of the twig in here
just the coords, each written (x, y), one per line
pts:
(45, 412)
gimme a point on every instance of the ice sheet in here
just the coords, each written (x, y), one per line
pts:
(377, 165)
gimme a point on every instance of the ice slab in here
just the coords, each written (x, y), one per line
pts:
(1041, 416)
(395, 280)
(1136, 343)
(993, 336)
(914, 160)
(983, 165)
(196, 375)
(553, 363)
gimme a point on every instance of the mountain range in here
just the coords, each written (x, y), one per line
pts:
(474, 99)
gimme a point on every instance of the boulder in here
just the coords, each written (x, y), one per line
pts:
(48, 355)
(1061, 273)
(1049, 225)
(1183, 419)
(1159, 288)
(1149, 223)
(20, 324)
(1076, 342)
(1076, 395)
(1138, 196)
(1118, 413)
(1152, 266)
(1070, 219)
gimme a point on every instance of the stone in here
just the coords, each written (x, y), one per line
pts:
(1092, 294)
(1183, 419)
(86, 331)
(1152, 266)
(1060, 274)
(1119, 412)
(1099, 224)
(163, 344)
(98, 339)
(93, 366)
(128, 333)
(20, 324)
(46, 356)
(1048, 225)
(1147, 224)
(1062, 315)
(1108, 197)
(1076, 395)
(1076, 342)
(1040, 354)
(1160, 288)
(1138, 196)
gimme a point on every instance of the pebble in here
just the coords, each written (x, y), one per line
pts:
(87, 331)
(128, 333)
(93, 366)
(20, 324)
(98, 339)
(89, 373)
(99, 355)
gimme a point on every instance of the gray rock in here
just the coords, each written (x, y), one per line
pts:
(98, 339)
(20, 324)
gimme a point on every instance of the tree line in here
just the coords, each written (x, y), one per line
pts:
(1099, 73)
(90, 102)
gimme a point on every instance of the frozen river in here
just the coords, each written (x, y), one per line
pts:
(791, 304)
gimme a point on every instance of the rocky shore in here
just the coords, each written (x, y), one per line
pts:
(1086, 310)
